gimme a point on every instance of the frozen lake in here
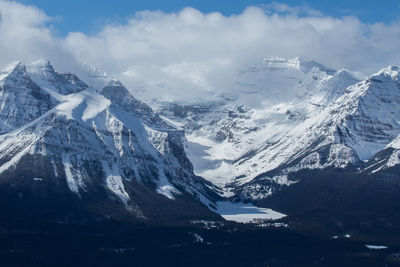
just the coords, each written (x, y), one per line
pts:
(245, 213)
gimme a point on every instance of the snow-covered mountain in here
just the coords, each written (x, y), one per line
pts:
(317, 144)
(93, 145)
(285, 116)
(291, 135)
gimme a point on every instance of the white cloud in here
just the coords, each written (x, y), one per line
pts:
(197, 51)
(22, 31)
(26, 35)
(276, 7)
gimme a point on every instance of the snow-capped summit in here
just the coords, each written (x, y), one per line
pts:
(43, 73)
(392, 71)
(13, 67)
(274, 80)
(42, 65)
(21, 99)
(370, 115)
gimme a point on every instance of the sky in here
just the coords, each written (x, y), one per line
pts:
(90, 16)
(196, 46)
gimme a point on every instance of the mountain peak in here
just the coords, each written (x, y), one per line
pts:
(15, 67)
(42, 61)
(114, 82)
(41, 65)
(43, 73)
(392, 71)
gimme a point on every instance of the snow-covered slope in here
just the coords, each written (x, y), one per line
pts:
(287, 115)
(386, 159)
(91, 138)
(270, 100)
(355, 126)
